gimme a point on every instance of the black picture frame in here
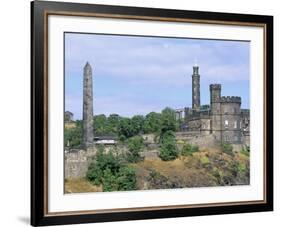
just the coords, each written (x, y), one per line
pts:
(39, 110)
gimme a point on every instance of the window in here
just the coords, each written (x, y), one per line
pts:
(235, 124)
(226, 123)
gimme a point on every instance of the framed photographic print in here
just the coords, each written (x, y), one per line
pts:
(142, 113)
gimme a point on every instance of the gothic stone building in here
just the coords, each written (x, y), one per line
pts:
(223, 118)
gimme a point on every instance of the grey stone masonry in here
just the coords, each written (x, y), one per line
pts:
(88, 132)
(195, 89)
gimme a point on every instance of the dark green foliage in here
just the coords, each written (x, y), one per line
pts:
(111, 172)
(73, 136)
(189, 149)
(152, 123)
(126, 179)
(167, 140)
(125, 129)
(227, 148)
(102, 162)
(112, 122)
(168, 148)
(129, 127)
(168, 120)
(100, 124)
(109, 181)
(106, 125)
(137, 124)
(135, 146)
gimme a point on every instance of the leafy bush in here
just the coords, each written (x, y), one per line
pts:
(168, 148)
(168, 120)
(189, 149)
(111, 172)
(152, 122)
(127, 179)
(227, 148)
(135, 146)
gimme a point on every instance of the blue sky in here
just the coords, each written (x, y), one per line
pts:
(136, 75)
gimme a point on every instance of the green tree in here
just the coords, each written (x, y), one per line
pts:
(168, 120)
(152, 123)
(126, 179)
(111, 172)
(168, 147)
(100, 124)
(125, 128)
(112, 124)
(137, 124)
(135, 146)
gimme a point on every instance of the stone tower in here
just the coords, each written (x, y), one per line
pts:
(215, 101)
(196, 89)
(88, 132)
(231, 119)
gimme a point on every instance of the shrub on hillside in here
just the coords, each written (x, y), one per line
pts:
(189, 149)
(110, 172)
(227, 148)
(135, 146)
(168, 147)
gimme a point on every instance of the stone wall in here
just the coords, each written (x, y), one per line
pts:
(195, 138)
(76, 164)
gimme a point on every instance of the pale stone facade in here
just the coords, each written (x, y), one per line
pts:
(224, 119)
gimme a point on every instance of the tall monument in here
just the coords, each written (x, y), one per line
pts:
(196, 88)
(88, 132)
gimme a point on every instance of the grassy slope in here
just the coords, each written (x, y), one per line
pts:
(80, 185)
(205, 168)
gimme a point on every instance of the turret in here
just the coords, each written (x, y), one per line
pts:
(196, 88)
(215, 98)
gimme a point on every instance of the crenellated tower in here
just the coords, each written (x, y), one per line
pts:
(215, 110)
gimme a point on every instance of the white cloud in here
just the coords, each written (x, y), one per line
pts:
(146, 62)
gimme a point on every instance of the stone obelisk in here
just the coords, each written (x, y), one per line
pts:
(88, 132)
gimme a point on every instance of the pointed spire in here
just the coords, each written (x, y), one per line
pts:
(87, 65)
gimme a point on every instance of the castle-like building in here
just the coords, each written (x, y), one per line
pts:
(223, 117)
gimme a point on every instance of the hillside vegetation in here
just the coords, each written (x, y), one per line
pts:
(204, 168)
(201, 169)
(179, 165)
